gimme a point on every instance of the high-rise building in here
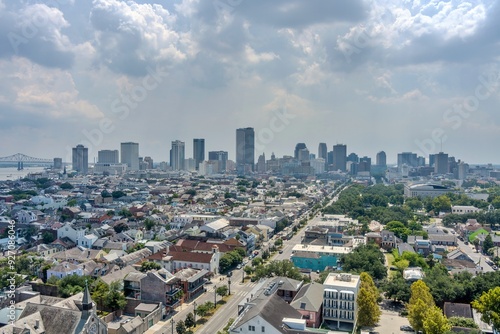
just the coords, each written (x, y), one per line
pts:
(81, 159)
(353, 157)
(149, 161)
(198, 151)
(432, 159)
(303, 155)
(421, 161)
(381, 159)
(298, 147)
(108, 156)
(261, 163)
(245, 150)
(177, 155)
(407, 158)
(58, 163)
(463, 170)
(441, 163)
(322, 151)
(221, 157)
(329, 160)
(365, 164)
(130, 155)
(339, 157)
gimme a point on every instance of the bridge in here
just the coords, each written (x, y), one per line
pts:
(20, 159)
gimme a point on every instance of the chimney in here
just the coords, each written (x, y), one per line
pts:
(37, 323)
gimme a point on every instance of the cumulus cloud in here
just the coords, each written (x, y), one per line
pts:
(35, 32)
(43, 93)
(129, 36)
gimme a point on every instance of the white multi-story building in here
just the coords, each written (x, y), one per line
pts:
(340, 292)
(426, 190)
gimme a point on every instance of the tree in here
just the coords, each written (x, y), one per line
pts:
(149, 223)
(99, 292)
(397, 289)
(118, 194)
(435, 322)
(462, 322)
(487, 244)
(441, 203)
(149, 265)
(222, 291)
(47, 237)
(180, 327)
(489, 306)
(72, 202)
(66, 186)
(115, 299)
(420, 302)
(367, 258)
(189, 322)
(368, 309)
(202, 310)
(248, 270)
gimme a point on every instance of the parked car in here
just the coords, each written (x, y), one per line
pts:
(238, 266)
(406, 328)
(280, 251)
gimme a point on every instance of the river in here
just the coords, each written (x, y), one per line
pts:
(11, 173)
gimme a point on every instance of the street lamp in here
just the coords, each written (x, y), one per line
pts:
(215, 296)
(194, 313)
(229, 285)
(172, 322)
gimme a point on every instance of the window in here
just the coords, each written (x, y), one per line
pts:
(263, 329)
(251, 328)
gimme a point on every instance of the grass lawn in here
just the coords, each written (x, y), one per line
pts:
(390, 260)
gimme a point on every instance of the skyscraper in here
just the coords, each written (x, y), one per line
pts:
(322, 151)
(221, 158)
(339, 157)
(407, 158)
(198, 151)
(80, 159)
(108, 156)
(441, 163)
(365, 164)
(381, 159)
(177, 154)
(261, 163)
(245, 150)
(130, 155)
(298, 147)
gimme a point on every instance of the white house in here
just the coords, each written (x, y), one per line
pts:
(68, 231)
(25, 217)
(464, 209)
(64, 269)
(87, 240)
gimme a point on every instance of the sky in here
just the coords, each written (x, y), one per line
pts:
(419, 76)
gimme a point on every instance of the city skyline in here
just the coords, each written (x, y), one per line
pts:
(394, 76)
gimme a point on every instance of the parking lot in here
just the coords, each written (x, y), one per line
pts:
(390, 320)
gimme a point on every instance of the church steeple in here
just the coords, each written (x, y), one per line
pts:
(87, 300)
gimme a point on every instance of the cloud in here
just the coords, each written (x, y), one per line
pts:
(43, 93)
(35, 32)
(129, 36)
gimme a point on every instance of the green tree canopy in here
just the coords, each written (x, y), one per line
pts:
(366, 258)
(368, 309)
(489, 307)
(435, 322)
(420, 302)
